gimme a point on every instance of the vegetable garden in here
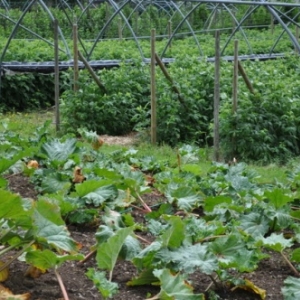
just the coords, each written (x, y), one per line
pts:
(132, 226)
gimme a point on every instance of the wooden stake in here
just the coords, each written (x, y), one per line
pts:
(217, 97)
(120, 29)
(56, 77)
(170, 32)
(297, 37)
(153, 89)
(272, 25)
(169, 78)
(235, 76)
(91, 71)
(245, 77)
(75, 56)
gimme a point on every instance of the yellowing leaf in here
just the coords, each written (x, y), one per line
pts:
(34, 272)
(6, 294)
(33, 164)
(251, 287)
(4, 273)
(97, 143)
(78, 176)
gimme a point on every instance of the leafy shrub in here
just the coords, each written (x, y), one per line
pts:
(266, 125)
(23, 92)
(110, 112)
(186, 120)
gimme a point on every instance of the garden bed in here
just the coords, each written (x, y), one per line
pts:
(269, 276)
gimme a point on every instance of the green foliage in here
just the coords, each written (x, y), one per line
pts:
(265, 125)
(109, 113)
(26, 92)
(219, 223)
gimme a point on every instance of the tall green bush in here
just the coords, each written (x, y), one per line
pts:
(24, 92)
(266, 124)
(110, 112)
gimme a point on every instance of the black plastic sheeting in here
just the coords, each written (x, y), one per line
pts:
(48, 67)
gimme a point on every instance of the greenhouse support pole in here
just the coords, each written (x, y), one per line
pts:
(56, 77)
(153, 89)
(75, 56)
(217, 97)
(235, 76)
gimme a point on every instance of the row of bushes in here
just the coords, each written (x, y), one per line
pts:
(265, 126)
(140, 18)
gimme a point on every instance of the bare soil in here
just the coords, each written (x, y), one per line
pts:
(269, 276)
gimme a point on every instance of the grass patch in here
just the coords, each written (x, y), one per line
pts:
(26, 123)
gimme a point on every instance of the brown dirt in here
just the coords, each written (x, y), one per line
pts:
(269, 276)
(126, 140)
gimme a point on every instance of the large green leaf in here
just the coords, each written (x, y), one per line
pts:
(56, 150)
(108, 252)
(278, 197)
(107, 288)
(146, 277)
(291, 289)
(55, 235)
(100, 195)
(175, 286)
(184, 197)
(189, 258)
(11, 206)
(46, 259)
(54, 182)
(90, 186)
(174, 235)
(255, 224)
(50, 211)
(6, 163)
(145, 258)
(276, 242)
(228, 248)
(211, 202)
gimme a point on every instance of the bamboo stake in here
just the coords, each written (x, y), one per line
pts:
(56, 77)
(169, 78)
(170, 33)
(153, 90)
(235, 76)
(272, 24)
(91, 71)
(245, 77)
(297, 36)
(75, 56)
(217, 97)
(120, 29)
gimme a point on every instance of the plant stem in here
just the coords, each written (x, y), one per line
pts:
(110, 275)
(211, 283)
(87, 257)
(214, 280)
(296, 273)
(61, 285)
(156, 297)
(142, 239)
(15, 256)
(147, 208)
